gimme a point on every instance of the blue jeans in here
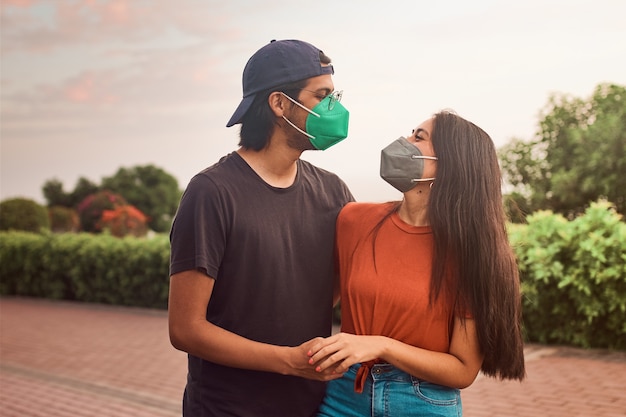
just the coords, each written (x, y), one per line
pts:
(389, 392)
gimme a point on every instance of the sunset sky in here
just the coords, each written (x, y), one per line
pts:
(89, 86)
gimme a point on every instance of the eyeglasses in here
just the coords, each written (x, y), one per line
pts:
(333, 98)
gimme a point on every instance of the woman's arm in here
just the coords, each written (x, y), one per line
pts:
(458, 368)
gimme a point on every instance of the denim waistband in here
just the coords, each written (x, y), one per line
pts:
(384, 371)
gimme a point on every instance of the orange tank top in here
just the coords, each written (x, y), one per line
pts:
(385, 288)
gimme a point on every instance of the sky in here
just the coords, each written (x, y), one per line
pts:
(90, 86)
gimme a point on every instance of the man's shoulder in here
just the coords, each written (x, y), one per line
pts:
(214, 178)
(226, 162)
(223, 169)
(307, 166)
(317, 174)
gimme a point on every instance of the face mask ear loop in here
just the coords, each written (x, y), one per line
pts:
(298, 129)
(300, 105)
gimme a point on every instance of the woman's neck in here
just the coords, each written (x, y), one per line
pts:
(414, 207)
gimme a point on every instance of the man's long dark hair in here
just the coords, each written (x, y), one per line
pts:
(258, 122)
(468, 221)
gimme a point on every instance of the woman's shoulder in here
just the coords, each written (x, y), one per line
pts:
(363, 211)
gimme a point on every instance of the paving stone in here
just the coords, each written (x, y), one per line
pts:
(65, 359)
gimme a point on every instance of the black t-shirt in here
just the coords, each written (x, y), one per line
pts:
(270, 251)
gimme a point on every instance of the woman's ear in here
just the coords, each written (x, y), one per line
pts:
(276, 101)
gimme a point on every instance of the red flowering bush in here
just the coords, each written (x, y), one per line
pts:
(91, 208)
(124, 220)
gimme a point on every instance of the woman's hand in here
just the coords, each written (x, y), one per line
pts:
(456, 368)
(340, 351)
(300, 364)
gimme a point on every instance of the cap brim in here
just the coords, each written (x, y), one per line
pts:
(241, 110)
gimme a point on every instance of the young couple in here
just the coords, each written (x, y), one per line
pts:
(264, 244)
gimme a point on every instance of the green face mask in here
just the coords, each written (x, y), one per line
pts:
(327, 122)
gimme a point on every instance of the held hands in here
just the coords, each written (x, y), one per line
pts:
(337, 353)
(300, 365)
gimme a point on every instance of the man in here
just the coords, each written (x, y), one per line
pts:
(252, 272)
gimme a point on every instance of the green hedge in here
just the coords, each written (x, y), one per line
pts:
(573, 273)
(574, 277)
(85, 267)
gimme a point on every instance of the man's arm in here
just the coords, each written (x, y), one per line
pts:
(189, 330)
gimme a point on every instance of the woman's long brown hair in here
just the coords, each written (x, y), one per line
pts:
(467, 217)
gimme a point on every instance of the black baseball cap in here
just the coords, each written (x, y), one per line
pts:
(277, 63)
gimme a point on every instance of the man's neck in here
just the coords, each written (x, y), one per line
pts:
(276, 166)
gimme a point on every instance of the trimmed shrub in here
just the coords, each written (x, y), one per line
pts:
(574, 277)
(63, 219)
(23, 214)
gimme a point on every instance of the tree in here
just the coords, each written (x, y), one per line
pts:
(83, 188)
(577, 157)
(152, 190)
(55, 195)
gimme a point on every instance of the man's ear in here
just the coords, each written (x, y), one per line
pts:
(277, 103)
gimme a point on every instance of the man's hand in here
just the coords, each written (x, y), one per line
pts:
(299, 361)
(337, 353)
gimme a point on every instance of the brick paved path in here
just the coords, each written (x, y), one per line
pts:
(60, 359)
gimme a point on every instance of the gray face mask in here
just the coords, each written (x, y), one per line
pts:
(402, 164)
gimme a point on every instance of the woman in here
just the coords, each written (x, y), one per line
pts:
(429, 285)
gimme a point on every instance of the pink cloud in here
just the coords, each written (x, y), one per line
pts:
(87, 88)
(118, 11)
(201, 72)
(36, 25)
(80, 91)
(80, 15)
(17, 3)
